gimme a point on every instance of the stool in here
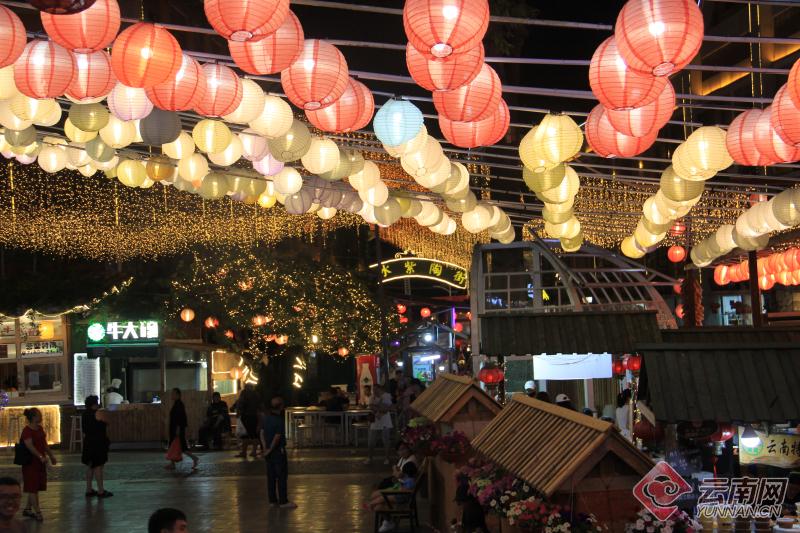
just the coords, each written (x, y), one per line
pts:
(333, 429)
(359, 426)
(75, 433)
(14, 430)
(301, 429)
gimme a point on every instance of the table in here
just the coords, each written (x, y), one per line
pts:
(317, 418)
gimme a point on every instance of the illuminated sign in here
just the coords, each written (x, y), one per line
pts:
(42, 349)
(406, 267)
(123, 333)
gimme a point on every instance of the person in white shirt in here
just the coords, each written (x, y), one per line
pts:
(623, 413)
(381, 406)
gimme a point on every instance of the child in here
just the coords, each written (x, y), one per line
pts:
(405, 481)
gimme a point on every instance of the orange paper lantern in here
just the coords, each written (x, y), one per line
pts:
(447, 73)
(679, 311)
(44, 70)
(273, 53)
(351, 112)
(770, 144)
(90, 30)
(223, 91)
(145, 54)
(647, 119)
(721, 275)
(741, 142)
(676, 254)
(439, 28)
(608, 142)
(785, 117)
(615, 85)
(12, 37)
(93, 76)
(484, 132)
(766, 282)
(187, 314)
(318, 77)
(245, 20)
(425, 312)
(659, 37)
(474, 101)
(184, 91)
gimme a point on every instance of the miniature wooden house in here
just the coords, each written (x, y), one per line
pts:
(573, 459)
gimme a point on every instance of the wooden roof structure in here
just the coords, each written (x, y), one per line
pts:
(447, 395)
(732, 335)
(550, 447)
(568, 332)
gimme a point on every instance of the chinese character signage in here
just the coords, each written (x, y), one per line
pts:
(777, 449)
(420, 267)
(42, 349)
(741, 497)
(123, 333)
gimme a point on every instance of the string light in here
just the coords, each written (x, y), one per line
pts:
(116, 289)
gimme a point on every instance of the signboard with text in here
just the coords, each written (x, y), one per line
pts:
(777, 449)
(30, 350)
(407, 267)
(123, 333)
(85, 378)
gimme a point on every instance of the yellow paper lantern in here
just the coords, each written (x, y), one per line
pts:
(462, 205)
(118, 133)
(556, 216)
(275, 119)
(77, 155)
(266, 200)
(230, 155)
(77, 135)
(557, 138)
(131, 173)
(547, 179)
(214, 186)
(388, 212)
(413, 208)
(99, 151)
(567, 229)
(564, 191)
(645, 238)
(251, 105)
(429, 215)
(786, 207)
(702, 155)
(49, 113)
(8, 87)
(88, 117)
(9, 120)
(193, 168)
(211, 136)
(250, 187)
(290, 146)
(322, 156)
(326, 213)
(26, 108)
(107, 165)
(369, 175)
(288, 181)
(631, 249)
(678, 189)
(161, 168)
(531, 158)
(653, 213)
(87, 170)
(574, 244)
(180, 148)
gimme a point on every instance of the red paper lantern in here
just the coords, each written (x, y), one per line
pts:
(318, 77)
(608, 142)
(793, 84)
(187, 314)
(679, 312)
(484, 132)
(90, 30)
(724, 432)
(676, 254)
(458, 327)
(677, 229)
(721, 275)
(490, 375)
(44, 70)
(351, 112)
(678, 287)
(243, 20)
(618, 368)
(646, 431)
(184, 91)
(425, 312)
(145, 54)
(223, 91)
(785, 117)
(401, 308)
(474, 101)
(785, 278)
(229, 333)
(659, 37)
(211, 322)
(404, 320)
(439, 28)
(615, 85)
(273, 53)
(770, 144)
(632, 363)
(740, 140)
(93, 76)
(12, 37)
(61, 7)
(647, 119)
(447, 73)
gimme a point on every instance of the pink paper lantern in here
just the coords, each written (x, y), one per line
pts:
(447, 73)
(223, 91)
(608, 142)
(12, 37)
(474, 101)
(741, 141)
(644, 120)
(318, 77)
(44, 70)
(93, 78)
(484, 132)
(351, 112)
(274, 52)
(785, 117)
(439, 28)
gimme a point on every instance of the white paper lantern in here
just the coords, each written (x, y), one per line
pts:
(193, 167)
(288, 181)
(322, 156)
(369, 175)
(129, 103)
(388, 212)
(11, 121)
(50, 114)
(421, 163)
(214, 186)
(8, 87)
(254, 146)
(131, 173)
(230, 155)
(248, 186)
(375, 195)
(77, 155)
(413, 145)
(52, 158)
(477, 220)
(413, 208)
(180, 148)
(462, 205)
(436, 178)
(429, 215)
(251, 105)
(326, 213)
(275, 118)
(118, 133)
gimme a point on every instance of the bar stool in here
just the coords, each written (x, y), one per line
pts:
(360, 425)
(14, 430)
(76, 433)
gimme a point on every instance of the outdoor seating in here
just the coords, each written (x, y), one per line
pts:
(407, 510)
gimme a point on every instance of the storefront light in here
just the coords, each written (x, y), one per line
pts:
(749, 438)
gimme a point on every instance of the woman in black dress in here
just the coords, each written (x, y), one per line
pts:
(177, 428)
(95, 448)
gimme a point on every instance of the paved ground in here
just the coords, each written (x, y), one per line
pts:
(226, 494)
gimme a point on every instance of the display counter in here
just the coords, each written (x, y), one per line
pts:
(12, 421)
(137, 422)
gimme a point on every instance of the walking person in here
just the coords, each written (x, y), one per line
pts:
(95, 447)
(381, 426)
(178, 422)
(247, 408)
(34, 474)
(273, 441)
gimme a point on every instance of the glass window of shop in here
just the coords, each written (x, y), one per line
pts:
(186, 369)
(33, 356)
(132, 372)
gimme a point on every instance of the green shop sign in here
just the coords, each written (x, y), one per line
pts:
(123, 333)
(406, 267)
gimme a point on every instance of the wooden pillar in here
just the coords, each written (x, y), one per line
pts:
(755, 290)
(689, 298)
(162, 360)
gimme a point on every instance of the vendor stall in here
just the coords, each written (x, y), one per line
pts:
(570, 458)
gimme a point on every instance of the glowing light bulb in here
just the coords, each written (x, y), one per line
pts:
(146, 52)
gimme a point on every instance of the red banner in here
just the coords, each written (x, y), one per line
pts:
(366, 372)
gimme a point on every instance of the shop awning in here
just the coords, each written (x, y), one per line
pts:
(743, 382)
(521, 334)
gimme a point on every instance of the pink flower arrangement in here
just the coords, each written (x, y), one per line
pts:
(645, 522)
(419, 436)
(455, 443)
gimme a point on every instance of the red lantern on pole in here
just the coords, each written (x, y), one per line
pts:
(458, 327)
(618, 368)
(273, 53)
(632, 362)
(679, 312)
(490, 375)
(425, 312)
(211, 322)
(676, 253)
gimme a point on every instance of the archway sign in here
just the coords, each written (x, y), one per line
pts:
(405, 266)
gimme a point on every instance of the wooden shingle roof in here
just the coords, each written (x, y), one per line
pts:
(449, 393)
(551, 447)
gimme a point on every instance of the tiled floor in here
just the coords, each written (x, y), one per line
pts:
(226, 494)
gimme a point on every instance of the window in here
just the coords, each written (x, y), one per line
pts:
(42, 376)
(8, 351)
(8, 377)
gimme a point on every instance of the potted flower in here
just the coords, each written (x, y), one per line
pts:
(418, 436)
(453, 447)
(645, 522)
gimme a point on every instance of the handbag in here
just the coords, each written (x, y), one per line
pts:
(22, 455)
(241, 431)
(175, 452)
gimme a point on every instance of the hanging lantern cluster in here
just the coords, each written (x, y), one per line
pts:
(543, 151)
(780, 267)
(752, 228)
(762, 137)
